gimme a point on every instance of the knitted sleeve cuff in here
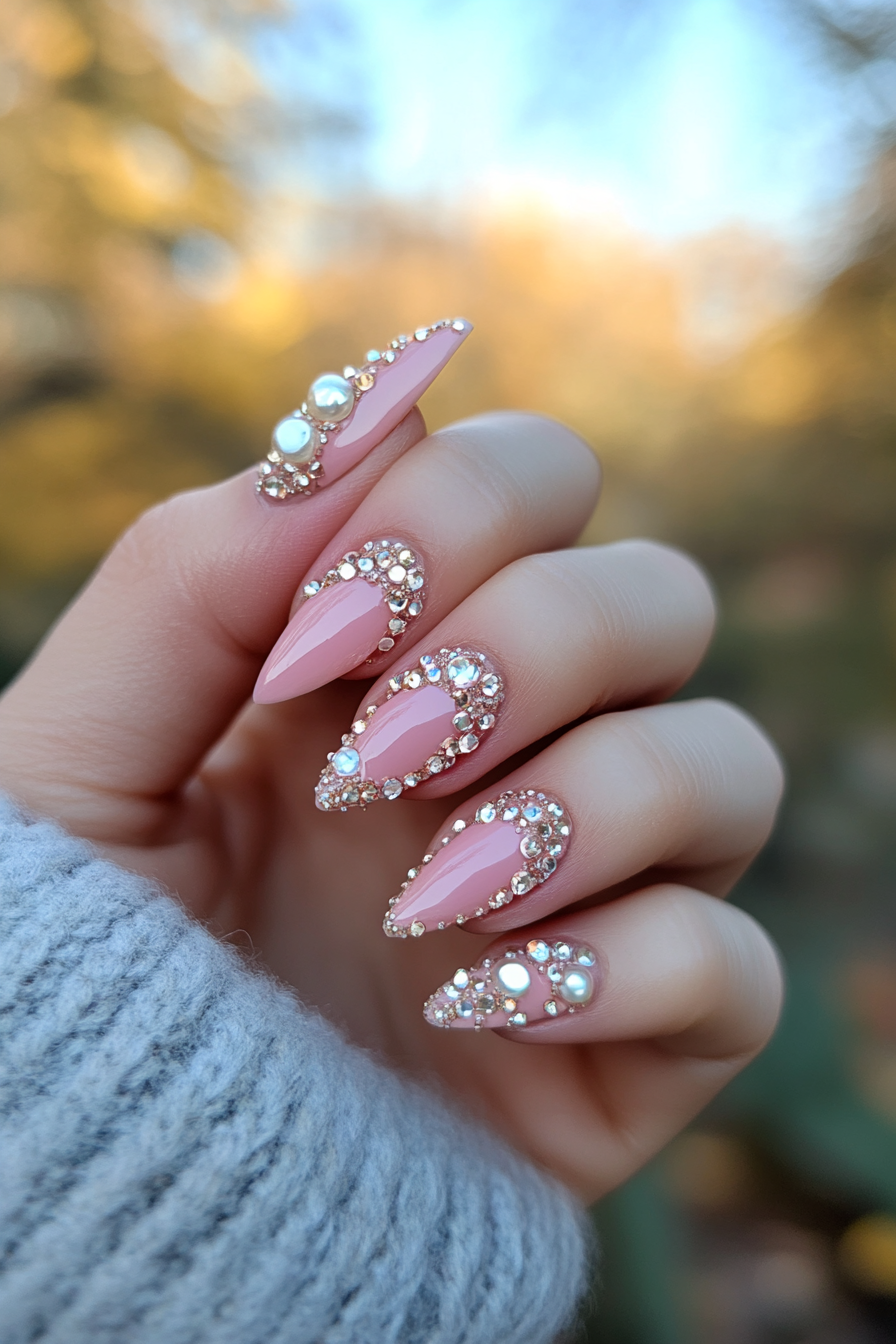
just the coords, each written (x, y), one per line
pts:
(188, 1154)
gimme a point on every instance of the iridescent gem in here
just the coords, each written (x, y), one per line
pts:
(548, 865)
(490, 685)
(451, 992)
(384, 559)
(417, 929)
(487, 812)
(462, 671)
(550, 1007)
(461, 978)
(469, 742)
(562, 951)
(510, 814)
(513, 978)
(433, 673)
(311, 588)
(555, 972)
(411, 782)
(295, 438)
(421, 333)
(434, 765)
(372, 356)
(577, 985)
(487, 721)
(415, 581)
(346, 571)
(538, 950)
(331, 398)
(392, 788)
(555, 809)
(465, 1008)
(365, 564)
(585, 957)
(389, 357)
(530, 846)
(521, 882)
(407, 557)
(532, 812)
(397, 574)
(486, 1004)
(462, 721)
(415, 609)
(346, 761)
(518, 1020)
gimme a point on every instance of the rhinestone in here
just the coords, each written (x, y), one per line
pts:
(555, 849)
(417, 929)
(295, 438)
(407, 557)
(487, 721)
(458, 325)
(415, 609)
(469, 742)
(510, 814)
(434, 765)
(359, 726)
(538, 950)
(577, 985)
(450, 747)
(548, 865)
(365, 381)
(372, 356)
(368, 793)
(520, 883)
(550, 1007)
(555, 809)
(413, 678)
(274, 488)
(555, 972)
(465, 1008)
(459, 826)
(330, 398)
(532, 813)
(392, 788)
(415, 581)
(518, 1020)
(462, 721)
(530, 847)
(461, 699)
(462, 671)
(386, 644)
(451, 992)
(490, 685)
(346, 761)
(564, 829)
(384, 559)
(365, 564)
(349, 371)
(389, 357)
(346, 571)
(509, 1005)
(397, 601)
(349, 795)
(311, 588)
(421, 333)
(513, 978)
(315, 468)
(461, 979)
(397, 574)
(495, 902)
(433, 673)
(411, 782)
(396, 625)
(562, 951)
(487, 812)
(486, 1003)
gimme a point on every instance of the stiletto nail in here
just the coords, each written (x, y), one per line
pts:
(347, 414)
(507, 849)
(525, 984)
(361, 606)
(427, 717)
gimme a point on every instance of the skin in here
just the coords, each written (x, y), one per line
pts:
(132, 725)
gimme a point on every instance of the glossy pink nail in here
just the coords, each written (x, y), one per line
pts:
(507, 849)
(526, 983)
(362, 606)
(346, 414)
(427, 717)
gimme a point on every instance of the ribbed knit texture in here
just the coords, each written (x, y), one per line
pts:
(189, 1155)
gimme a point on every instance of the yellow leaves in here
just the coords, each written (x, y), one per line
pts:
(50, 41)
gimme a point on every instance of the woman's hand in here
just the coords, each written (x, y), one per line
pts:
(132, 727)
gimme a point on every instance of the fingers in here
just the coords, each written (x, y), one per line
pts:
(667, 993)
(687, 791)
(471, 500)
(547, 640)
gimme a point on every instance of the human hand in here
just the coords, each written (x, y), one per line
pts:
(132, 727)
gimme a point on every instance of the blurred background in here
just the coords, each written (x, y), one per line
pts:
(674, 225)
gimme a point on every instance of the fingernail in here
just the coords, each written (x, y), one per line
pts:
(427, 717)
(507, 849)
(361, 606)
(527, 983)
(346, 414)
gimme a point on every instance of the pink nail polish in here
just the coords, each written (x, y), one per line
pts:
(361, 606)
(346, 414)
(507, 849)
(427, 717)
(522, 985)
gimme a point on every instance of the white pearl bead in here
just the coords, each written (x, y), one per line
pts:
(295, 438)
(331, 397)
(514, 978)
(577, 985)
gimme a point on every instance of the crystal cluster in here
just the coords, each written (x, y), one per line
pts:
(491, 994)
(293, 465)
(395, 568)
(477, 691)
(543, 826)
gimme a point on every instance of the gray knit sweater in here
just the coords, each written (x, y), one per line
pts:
(188, 1154)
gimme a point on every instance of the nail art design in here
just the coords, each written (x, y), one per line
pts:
(347, 414)
(507, 849)
(429, 715)
(364, 604)
(523, 985)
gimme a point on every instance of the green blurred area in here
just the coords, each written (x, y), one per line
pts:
(149, 337)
